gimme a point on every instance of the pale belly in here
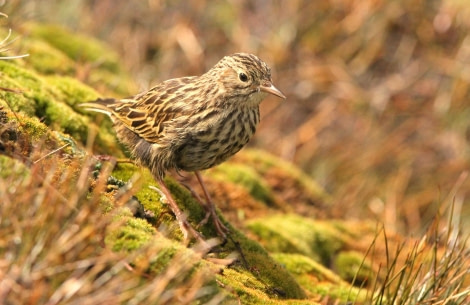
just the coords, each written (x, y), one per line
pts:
(208, 147)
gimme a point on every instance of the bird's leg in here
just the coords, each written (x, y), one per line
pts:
(185, 226)
(201, 203)
(221, 229)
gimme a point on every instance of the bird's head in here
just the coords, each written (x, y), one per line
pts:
(246, 76)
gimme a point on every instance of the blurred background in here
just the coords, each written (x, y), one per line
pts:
(378, 107)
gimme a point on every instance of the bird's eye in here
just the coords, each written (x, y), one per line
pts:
(243, 77)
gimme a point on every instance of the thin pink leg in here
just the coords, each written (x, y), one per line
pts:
(221, 229)
(185, 226)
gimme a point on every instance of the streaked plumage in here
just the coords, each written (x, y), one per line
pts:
(193, 123)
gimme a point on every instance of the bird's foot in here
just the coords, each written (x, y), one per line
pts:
(221, 229)
(210, 209)
(185, 227)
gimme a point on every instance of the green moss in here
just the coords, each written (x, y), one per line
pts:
(61, 117)
(279, 281)
(21, 135)
(79, 54)
(12, 169)
(53, 99)
(149, 198)
(36, 129)
(54, 50)
(32, 128)
(75, 46)
(166, 253)
(46, 59)
(318, 279)
(295, 234)
(106, 203)
(301, 265)
(351, 265)
(276, 280)
(111, 83)
(263, 162)
(72, 91)
(30, 89)
(192, 208)
(345, 294)
(15, 100)
(245, 176)
(129, 233)
(247, 289)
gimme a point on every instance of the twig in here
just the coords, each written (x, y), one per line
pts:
(52, 152)
(11, 90)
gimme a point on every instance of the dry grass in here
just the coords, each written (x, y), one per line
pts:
(52, 247)
(433, 270)
(6, 42)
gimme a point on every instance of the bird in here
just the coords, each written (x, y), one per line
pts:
(192, 123)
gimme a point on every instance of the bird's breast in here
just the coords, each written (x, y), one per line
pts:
(216, 138)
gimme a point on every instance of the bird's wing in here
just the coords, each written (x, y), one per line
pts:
(147, 114)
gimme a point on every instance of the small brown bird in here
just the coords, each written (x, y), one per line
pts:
(193, 123)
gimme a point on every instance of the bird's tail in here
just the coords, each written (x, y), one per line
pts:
(100, 105)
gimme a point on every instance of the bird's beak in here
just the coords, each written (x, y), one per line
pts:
(269, 88)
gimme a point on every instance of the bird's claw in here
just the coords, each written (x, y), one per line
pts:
(184, 225)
